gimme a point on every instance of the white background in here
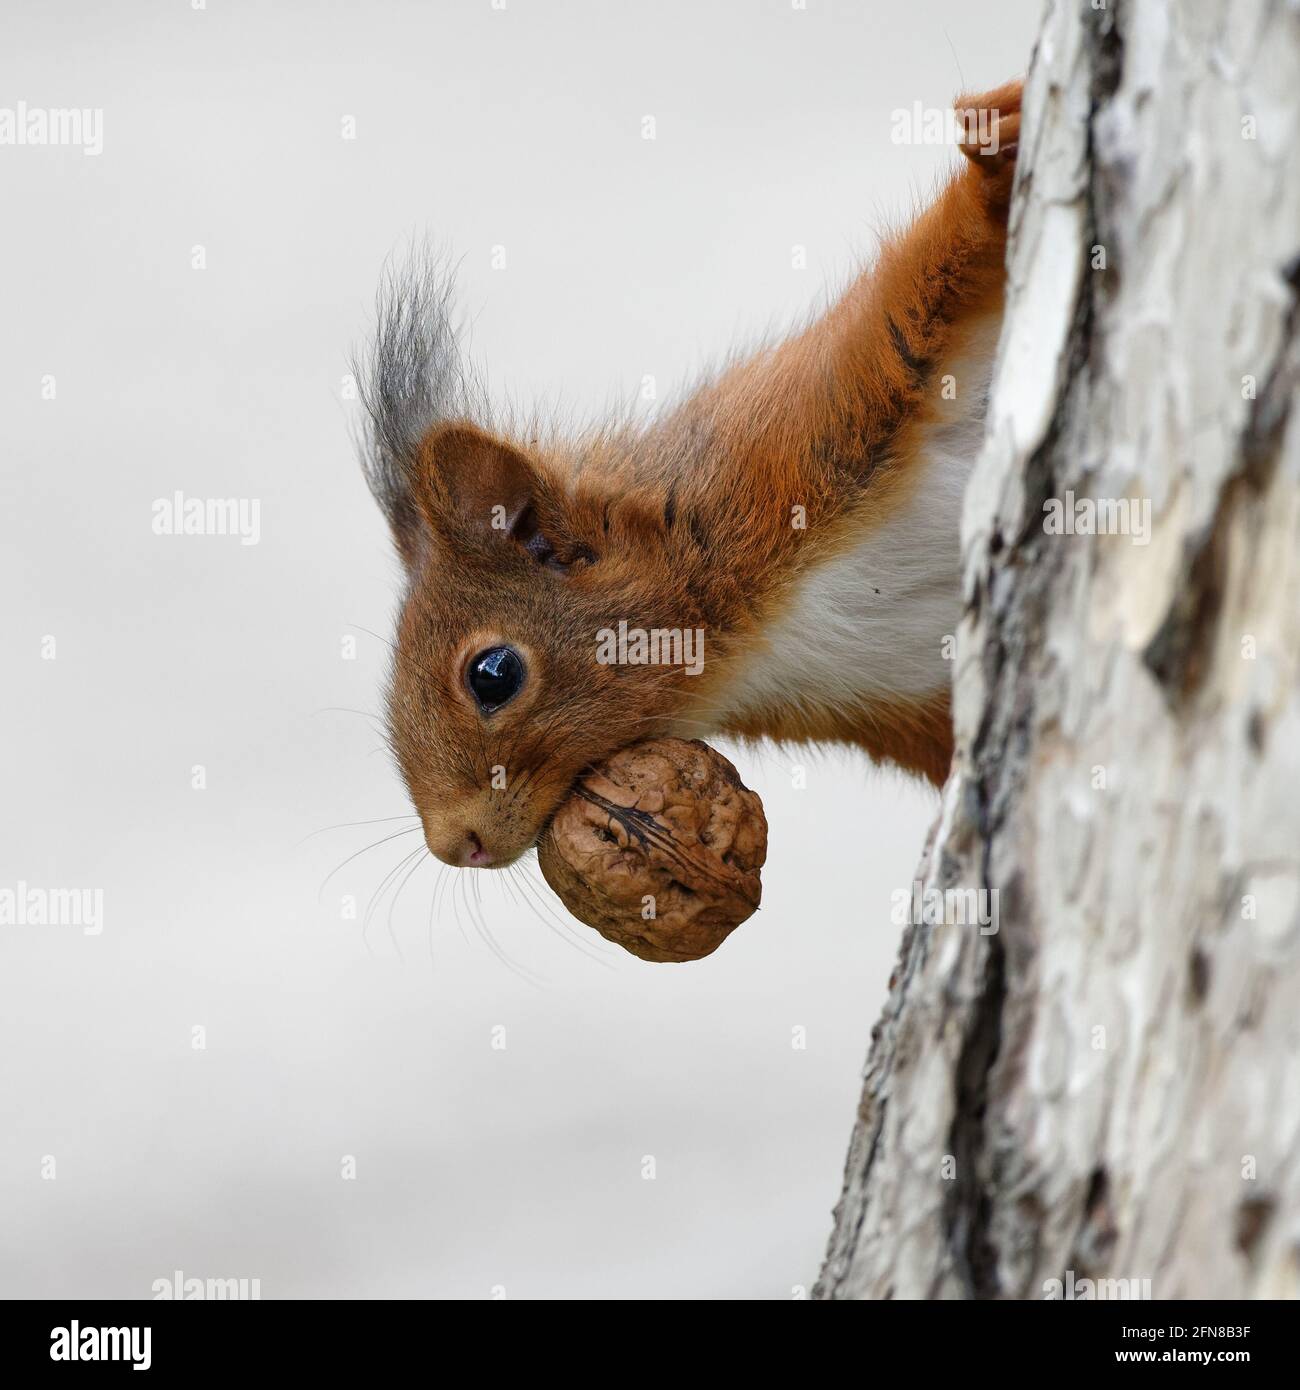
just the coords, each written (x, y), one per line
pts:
(625, 258)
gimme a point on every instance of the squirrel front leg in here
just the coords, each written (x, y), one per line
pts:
(832, 476)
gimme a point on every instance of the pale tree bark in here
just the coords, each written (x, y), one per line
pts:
(1109, 1086)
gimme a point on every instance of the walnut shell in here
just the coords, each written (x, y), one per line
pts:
(666, 827)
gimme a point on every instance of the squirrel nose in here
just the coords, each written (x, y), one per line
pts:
(472, 853)
(455, 845)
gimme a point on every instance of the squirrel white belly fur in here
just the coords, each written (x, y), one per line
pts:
(868, 624)
(802, 511)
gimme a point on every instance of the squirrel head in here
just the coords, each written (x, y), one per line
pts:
(521, 560)
(501, 691)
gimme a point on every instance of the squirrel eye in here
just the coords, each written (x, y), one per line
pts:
(495, 677)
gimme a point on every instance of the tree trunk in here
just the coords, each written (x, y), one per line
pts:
(1108, 1086)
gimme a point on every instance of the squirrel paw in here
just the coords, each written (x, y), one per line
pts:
(989, 126)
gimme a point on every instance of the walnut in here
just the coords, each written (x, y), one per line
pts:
(659, 848)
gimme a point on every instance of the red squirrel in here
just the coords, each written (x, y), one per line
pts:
(801, 511)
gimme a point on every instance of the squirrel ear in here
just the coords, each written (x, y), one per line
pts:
(475, 481)
(472, 479)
